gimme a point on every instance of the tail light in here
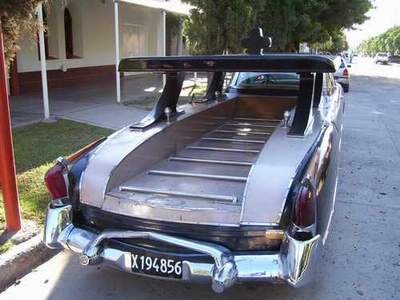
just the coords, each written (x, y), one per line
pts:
(57, 182)
(345, 72)
(305, 205)
(56, 178)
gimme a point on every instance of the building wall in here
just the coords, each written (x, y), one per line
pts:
(93, 34)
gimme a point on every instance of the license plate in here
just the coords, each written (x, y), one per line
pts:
(156, 265)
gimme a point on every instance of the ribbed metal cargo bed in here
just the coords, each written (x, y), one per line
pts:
(213, 169)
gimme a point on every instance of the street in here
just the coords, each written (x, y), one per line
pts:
(361, 259)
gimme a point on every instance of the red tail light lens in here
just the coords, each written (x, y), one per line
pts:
(305, 206)
(345, 72)
(55, 181)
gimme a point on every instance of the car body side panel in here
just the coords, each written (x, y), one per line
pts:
(277, 165)
(323, 166)
(270, 179)
(326, 180)
(108, 156)
(330, 152)
(268, 183)
(96, 176)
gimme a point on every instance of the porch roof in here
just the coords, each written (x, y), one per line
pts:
(171, 6)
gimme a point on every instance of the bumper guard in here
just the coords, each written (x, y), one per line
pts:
(294, 263)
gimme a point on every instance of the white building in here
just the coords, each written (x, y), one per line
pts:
(81, 41)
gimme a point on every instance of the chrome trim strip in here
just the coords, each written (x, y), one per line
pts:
(222, 149)
(245, 190)
(256, 119)
(328, 226)
(197, 175)
(233, 140)
(249, 125)
(211, 161)
(232, 199)
(242, 132)
(269, 224)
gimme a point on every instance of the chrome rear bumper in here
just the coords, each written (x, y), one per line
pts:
(342, 80)
(294, 263)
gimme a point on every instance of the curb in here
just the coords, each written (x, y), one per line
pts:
(21, 259)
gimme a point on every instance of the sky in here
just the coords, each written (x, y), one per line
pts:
(386, 14)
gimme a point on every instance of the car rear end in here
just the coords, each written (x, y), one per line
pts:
(107, 209)
(342, 76)
(218, 254)
(166, 255)
(382, 58)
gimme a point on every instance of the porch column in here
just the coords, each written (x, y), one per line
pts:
(163, 38)
(163, 33)
(117, 57)
(8, 178)
(179, 47)
(43, 63)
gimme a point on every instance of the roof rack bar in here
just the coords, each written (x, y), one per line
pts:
(232, 199)
(197, 175)
(233, 140)
(212, 161)
(222, 149)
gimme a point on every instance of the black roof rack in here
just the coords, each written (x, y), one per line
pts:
(300, 63)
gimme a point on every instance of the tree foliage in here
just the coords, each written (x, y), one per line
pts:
(17, 16)
(337, 42)
(389, 41)
(218, 26)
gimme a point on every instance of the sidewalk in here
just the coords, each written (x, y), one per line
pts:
(113, 116)
(92, 103)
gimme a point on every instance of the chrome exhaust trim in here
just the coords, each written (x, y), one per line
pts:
(294, 264)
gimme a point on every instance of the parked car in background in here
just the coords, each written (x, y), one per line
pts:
(346, 56)
(395, 59)
(266, 81)
(382, 58)
(342, 75)
(238, 186)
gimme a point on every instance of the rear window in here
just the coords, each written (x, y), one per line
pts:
(263, 80)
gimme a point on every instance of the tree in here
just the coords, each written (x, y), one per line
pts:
(288, 22)
(389, 41)
(337, 42)
(217, 26)
(17, 16)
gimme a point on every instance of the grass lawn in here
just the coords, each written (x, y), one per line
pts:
(36, 147)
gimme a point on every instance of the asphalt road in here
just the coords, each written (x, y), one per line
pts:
(361, 259)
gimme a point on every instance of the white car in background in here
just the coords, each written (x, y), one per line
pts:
(342, 75)
(382, 58)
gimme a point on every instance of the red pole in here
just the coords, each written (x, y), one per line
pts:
(8, 176)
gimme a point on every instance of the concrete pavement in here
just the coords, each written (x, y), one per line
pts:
(87, 102)
(361, 259)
